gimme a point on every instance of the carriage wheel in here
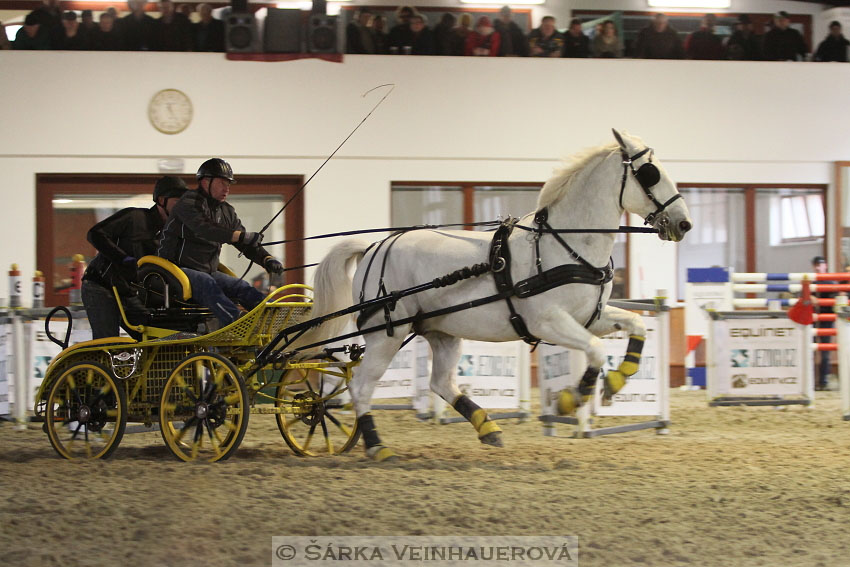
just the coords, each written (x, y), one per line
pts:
(203, 412)
(86, 412)
(317, 418)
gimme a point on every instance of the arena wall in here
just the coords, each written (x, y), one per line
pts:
(448, 119)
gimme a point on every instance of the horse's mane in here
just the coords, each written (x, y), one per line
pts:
(563, 176)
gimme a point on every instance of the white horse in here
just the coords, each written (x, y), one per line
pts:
(591, 191)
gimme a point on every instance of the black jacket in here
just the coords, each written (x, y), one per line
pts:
(196, 229)
(129, 232)
(832, 49)
(784, 45)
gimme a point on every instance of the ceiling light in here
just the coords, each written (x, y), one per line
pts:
(512, 2)
(689, 3)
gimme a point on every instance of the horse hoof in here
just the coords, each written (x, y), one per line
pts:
(614, 382)
(494, 439)
(381, 454)
(568, 402)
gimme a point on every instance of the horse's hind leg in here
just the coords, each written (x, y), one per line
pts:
(615, 319)
(380, 350)
(446, 351)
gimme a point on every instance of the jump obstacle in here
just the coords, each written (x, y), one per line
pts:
(713, 302)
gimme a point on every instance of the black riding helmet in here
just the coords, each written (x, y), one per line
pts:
(168, 186)
(216, 167)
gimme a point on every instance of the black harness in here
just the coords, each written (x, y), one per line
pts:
(582, 273)
(647, 177)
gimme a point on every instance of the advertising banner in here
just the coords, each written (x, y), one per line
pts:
(42, 350)
(5, 369)
(489, 373)
(397, 381)
(759, 357)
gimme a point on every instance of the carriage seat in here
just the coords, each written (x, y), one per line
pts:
(162, 279)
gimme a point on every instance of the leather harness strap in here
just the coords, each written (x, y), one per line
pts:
(500, 262)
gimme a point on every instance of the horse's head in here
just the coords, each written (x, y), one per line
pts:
(648, 191)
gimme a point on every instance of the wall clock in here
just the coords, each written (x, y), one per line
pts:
(170, 111)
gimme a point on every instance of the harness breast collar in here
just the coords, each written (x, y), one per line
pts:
(582, 273)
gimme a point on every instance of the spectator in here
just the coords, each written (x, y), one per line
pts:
(422, 41)
(607, 44)
(461, 32)
(484, 41)
(87, 26)
(32, 35)
(444, 34)
(136, 28)
(546, 41)
(513, 42)
(106, 37)
(400, 34)
(358, 34)
(705, 44)
(172, 31)
(114, 11)
(382, 40)
(187, 10)
(49, 15)
(208, 34)
(784, 43)
(743, 44)
(576, 44)
(72, 38)
(822, 367)
(834, 47)
(659, 41)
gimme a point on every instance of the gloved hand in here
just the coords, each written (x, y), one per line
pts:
(272, 266)
(250, 238)
(129, 269)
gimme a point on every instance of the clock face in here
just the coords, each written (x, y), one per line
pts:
(170, 111)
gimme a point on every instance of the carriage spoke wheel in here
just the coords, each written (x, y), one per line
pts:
(203, 412)
(317, 419)
(86, 412)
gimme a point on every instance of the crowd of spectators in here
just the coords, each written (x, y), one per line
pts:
(367, 34)
(49, 27)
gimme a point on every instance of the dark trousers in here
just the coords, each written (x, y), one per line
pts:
(103, 314)
(218, 292)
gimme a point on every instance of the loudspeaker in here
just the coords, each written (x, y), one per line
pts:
(241, 35)
(283, 30)
(322, 34)
(320, 7)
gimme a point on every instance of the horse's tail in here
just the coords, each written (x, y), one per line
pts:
(332, 287)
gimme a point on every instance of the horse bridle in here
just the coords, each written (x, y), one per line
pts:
(648, 177)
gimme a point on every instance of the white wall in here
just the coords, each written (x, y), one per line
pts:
(448, 119)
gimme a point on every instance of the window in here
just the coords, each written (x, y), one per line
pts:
(800, 217)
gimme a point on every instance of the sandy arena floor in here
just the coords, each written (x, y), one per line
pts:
(727, 486)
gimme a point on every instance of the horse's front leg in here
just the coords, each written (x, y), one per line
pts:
(616, 319)
(557, 326)
(446, 351)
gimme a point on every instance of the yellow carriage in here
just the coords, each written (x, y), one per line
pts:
(199, 389)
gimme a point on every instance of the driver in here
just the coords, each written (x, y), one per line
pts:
(120, 241)
(199, 224)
